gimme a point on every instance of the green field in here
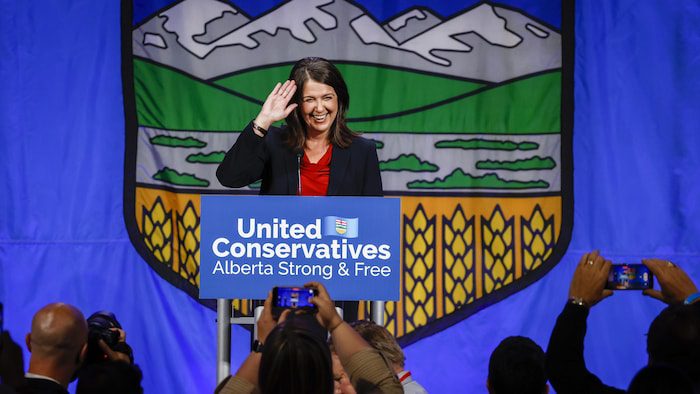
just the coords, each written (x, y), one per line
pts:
(172, 100)
(525, 106)
(373, 90)
(167, 99)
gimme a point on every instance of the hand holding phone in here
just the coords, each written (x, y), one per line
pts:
(630, 277)
(675, 284)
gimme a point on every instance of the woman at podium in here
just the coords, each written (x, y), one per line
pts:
(315, 153)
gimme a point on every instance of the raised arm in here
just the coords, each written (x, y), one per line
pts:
(566, 367)
(276, 106)
(246, 378)
(364, 364)
(245, 162)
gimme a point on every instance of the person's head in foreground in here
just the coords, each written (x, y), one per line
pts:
(57, 342)
(660, 379)
(381, 339)
(296, 358)
(517, 366)
(674, 340)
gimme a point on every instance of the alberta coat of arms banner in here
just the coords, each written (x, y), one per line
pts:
(471, 111)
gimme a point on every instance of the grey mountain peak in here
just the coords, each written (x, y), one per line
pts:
(201, 37)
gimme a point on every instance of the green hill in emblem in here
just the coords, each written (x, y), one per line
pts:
(480, 143)
(411, 102)
(409, 162)
(177, 142)
(532, 109)
(401, 90)
(168, 175)
(184, 103)
(532, 163)
(458, 179)
(206, 158)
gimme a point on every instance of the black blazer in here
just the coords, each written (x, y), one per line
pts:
(354, 170)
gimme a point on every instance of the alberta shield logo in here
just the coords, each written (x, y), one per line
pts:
(471, 113)
(341, 226)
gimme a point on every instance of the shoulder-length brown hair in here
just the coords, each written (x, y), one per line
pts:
(323, 71)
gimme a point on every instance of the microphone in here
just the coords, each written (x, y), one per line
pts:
(299, 154)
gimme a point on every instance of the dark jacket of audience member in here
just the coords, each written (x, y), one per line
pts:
(110, 377)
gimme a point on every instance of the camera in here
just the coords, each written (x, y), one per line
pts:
(630, 277)
(102, 325)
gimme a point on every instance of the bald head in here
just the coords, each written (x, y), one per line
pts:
(59, 331)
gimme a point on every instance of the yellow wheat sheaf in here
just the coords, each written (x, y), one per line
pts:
(458, 260)
(188, 239)
(419, 269)
(498, 249)
(157, 231)
(170, 227)
(538, 239)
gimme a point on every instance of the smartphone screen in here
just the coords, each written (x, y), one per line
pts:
(292, 297)
(630, 277)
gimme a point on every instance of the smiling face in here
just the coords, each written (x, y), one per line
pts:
(319, 107)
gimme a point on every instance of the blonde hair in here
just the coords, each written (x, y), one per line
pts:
(381, 339)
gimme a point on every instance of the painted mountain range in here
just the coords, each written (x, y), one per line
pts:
(199, 36)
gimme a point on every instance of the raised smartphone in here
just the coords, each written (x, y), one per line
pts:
(292, 297)
(630, 277)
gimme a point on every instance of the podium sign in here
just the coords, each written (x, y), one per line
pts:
(253, 243)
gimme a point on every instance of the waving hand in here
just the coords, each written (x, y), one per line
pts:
(276, 106)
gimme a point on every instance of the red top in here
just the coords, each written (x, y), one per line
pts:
(314, 176)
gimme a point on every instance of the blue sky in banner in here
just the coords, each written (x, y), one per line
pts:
(548, 11)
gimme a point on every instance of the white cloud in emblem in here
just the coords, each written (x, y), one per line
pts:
(155, 40)
(536, 31)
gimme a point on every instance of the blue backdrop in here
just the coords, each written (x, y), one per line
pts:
(62, 234)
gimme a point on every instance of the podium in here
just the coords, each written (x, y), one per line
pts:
(249, 244)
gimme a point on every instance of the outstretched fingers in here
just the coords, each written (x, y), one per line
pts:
(275, 91)
(289, 109)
